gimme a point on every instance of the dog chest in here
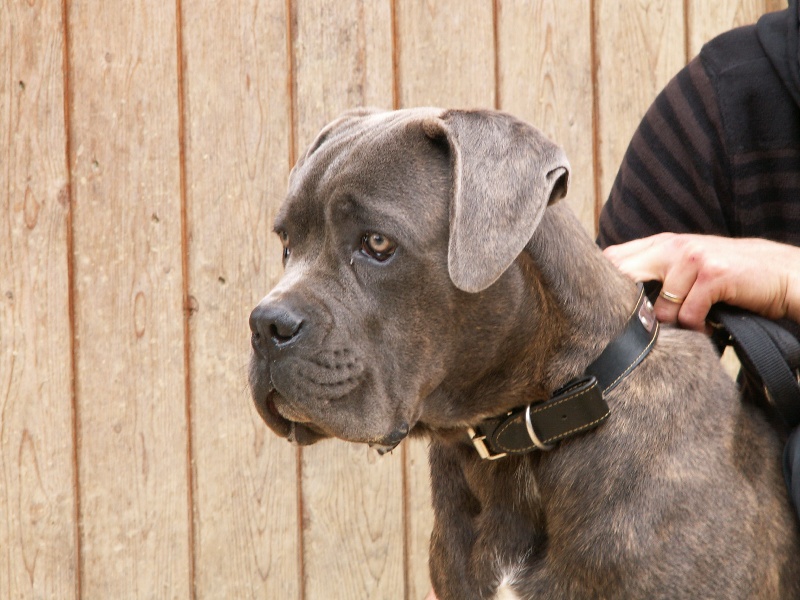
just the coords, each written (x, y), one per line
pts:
(505, 591)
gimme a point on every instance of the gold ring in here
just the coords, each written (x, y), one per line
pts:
(675, 299)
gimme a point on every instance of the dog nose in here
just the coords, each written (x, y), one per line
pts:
(274, 326)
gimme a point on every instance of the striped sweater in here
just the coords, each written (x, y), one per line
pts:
(718, 152)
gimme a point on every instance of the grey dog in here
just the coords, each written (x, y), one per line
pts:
(433, 283)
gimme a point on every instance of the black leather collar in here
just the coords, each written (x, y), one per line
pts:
(579, 405)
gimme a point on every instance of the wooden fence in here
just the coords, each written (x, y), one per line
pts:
(145, 147)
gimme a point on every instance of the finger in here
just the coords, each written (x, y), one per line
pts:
(694, 311)
(675, 290)
(626, 250)
(648, 263)
(695, 307)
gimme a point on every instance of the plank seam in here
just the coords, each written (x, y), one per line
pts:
(395, 55)
(596, 162)
(290, 83)
(687, 41)
(496, 48)
(406, 521)
(290, 90)
(73, 350)
(187, 343)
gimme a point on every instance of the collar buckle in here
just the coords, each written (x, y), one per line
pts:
(479, 441)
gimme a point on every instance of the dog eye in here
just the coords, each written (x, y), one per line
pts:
(377, 246)
(285, 242)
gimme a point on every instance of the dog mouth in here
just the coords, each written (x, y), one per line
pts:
(295, 431)
(278, 415)
(338, 415)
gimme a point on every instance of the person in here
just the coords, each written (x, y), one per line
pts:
(707, 198)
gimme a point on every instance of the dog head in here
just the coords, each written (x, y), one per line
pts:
(398, 232)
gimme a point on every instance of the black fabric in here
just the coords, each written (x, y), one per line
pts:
(770, 355)
(778, 35)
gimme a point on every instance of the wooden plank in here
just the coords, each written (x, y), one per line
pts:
(545, 77)
(130, 372)
(38, 541)
(353, 517)
(705, 20)
(352, 500)
(639, 48)
(237, 153)
(445, 57)
(419, 521)
(342, 56)
(773, 5)
(445, 54)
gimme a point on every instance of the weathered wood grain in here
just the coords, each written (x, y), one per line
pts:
(545, 78)
(342, 57)
(352, 501)
(639, 48)
(445, 54)
(38, 546)
(130, 372)
(237, 115)
(353, 520)
(419, 520)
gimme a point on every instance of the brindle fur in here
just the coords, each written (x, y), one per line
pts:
(495, 297)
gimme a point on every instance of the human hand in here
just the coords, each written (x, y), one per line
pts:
(698, 271)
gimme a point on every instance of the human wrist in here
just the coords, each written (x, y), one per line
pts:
(793, 296)
(789, 260)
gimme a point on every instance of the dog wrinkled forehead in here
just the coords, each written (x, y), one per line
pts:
(365, 121)
(373, 156)
(354, 135)
(501, 175)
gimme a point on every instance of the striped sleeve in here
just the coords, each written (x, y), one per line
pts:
(675, 175)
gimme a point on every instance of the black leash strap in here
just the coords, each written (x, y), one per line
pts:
(577, 406)
(768, 353)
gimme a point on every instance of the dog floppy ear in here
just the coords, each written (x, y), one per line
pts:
(505, 173)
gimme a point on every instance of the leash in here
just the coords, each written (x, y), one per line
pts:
(579, 405)
(770, 358)
(769, 354)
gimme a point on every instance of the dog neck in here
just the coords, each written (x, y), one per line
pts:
(594, 298)
(574, 304)
(579, 405)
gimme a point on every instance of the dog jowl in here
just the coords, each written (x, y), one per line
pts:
(434, 285)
